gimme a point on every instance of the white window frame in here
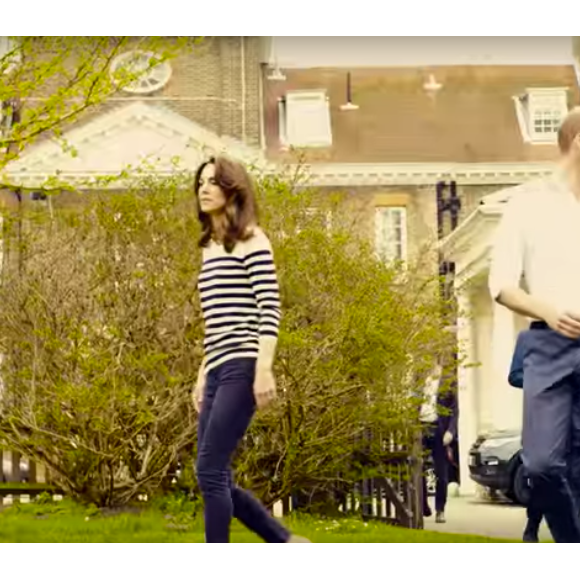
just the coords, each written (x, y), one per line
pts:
(384, 214)
(159, 74)
(290, 122)
(542, 103)
(282, 123)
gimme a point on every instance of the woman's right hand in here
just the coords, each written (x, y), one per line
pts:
(199, 390)
(198, 398)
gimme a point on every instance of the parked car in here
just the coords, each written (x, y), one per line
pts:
(495, 462)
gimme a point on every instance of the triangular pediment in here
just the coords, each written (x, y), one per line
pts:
(140, 136)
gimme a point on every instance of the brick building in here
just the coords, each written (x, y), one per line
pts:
(485, 128)
(208, 97)
(480, 113)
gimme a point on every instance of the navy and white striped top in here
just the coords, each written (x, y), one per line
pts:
(240, 301)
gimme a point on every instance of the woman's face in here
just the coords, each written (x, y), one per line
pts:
(212, 199)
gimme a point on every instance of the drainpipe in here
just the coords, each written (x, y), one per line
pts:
(243, 73)
(261, 109)
(452, 206)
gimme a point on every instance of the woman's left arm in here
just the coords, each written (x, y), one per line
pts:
(259, 262)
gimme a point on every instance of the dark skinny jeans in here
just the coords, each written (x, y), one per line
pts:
(227, 410)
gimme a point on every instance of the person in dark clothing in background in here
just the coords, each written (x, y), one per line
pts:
(439, 418)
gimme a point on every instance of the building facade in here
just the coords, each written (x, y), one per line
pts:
(383, 120)
(208, 98)
(481, 114)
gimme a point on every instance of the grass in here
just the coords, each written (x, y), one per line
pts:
(64, 522)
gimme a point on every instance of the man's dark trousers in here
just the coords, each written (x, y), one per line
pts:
(552, 383)
(433, 444)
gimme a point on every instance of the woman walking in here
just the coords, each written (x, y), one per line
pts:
(240, 302)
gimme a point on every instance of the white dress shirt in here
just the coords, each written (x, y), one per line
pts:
(428, 413)
(539, 238)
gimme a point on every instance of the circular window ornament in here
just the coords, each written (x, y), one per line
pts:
(140, 72)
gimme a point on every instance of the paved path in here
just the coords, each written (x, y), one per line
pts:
(496, 519)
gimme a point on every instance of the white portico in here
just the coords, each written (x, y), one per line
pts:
(486, 331)
(136, 137)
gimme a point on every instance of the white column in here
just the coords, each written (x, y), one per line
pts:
(466, 395)
(506, 402)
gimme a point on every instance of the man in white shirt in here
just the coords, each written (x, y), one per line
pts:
(539, 239)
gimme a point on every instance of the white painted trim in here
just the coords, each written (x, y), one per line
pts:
(337, 175)
(490, 209)
(472, 247)
(458, 239)
(90, 132)
(475, 267)
(151, 72)
(522, 121)
(296, 123)
(360, 174)
(554, 99)
(463, 237)
(282, 131)
(42, 160)
(547, 91)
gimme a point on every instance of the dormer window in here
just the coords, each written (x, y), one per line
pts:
(305, 119)
(540, 114)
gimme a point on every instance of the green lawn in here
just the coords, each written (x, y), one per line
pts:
(64, 523)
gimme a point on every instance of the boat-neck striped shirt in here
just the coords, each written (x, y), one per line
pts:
(240, 301)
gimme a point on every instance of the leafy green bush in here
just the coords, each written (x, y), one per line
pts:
(356, 336)
(101, 333)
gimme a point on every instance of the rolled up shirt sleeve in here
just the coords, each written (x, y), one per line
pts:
(508, 251)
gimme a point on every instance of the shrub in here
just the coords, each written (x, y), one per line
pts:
(101, 333)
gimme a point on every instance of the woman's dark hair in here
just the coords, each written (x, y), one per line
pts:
(241, 209)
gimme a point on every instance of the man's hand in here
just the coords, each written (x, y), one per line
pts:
(264, 387)
(565, 323)
(447, 438)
